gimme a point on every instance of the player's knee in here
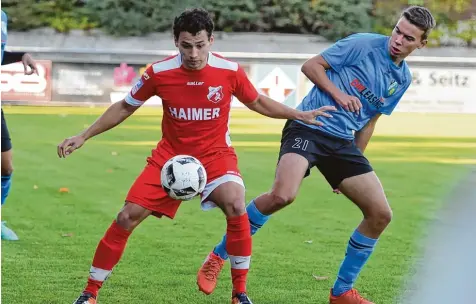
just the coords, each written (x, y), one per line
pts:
(282, 199)
(381, 218)
(235, 206)
(128, 219)
(7, 169)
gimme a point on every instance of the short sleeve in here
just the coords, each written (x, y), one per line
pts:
(143, 89)
(244, 90)
(4, 27)
(345, 52)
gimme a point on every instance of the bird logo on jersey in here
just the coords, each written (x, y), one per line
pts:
(215, 94)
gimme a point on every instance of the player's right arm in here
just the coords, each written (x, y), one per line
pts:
(114, 115)
(315, 70)
(344, 52)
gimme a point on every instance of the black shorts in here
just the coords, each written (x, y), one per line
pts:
(336, 158)
(6, 141)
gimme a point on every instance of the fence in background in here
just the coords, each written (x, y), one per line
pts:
(99, 77)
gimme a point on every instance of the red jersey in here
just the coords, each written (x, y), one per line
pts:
(196, 103)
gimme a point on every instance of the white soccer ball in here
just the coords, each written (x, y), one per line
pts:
(183, 177)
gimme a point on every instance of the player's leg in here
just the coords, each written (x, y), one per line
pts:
(110, 249)
(290, 171)
(7, 171)
(296, 157)
(349, 171)
(367, 193)
(230, 197)
(145, 197)
(293, 165)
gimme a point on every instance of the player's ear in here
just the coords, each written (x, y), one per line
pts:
(176, 42)
(212, 38)
(423, 44)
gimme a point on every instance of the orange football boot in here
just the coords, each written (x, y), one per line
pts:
(349, 297)
(208, 274)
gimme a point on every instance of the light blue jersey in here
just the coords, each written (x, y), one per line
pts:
(360, 66)
(4, 32)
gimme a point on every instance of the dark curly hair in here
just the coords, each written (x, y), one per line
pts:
(420, 17)
(193, 21)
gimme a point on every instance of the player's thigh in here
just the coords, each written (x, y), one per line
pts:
(297, 155)
(290, 171)
(131, 215)
(350, 171)
(7, 162)
(147, 192)
(345, 161)
(225, 187)
(366, 191)
(230, 198)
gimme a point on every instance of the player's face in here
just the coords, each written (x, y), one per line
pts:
(194, 49)
(406, 37)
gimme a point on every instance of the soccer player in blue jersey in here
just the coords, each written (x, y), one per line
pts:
(7, 164)
(364, 76)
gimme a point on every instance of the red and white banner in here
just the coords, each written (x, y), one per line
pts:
(16, 86)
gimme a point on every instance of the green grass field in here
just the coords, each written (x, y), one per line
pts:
(59, 231)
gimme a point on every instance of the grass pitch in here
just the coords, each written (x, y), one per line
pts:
(59, 231)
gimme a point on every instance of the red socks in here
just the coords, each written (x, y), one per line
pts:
(108, 254)
(112, 245)
(238, 246)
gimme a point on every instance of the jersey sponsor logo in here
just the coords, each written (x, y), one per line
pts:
(215, 94)
(371, 97)
(137, 86)
(195, 113)
(195, 83)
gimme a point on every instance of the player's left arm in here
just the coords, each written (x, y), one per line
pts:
(362, 137)
(249, 96)
(273, 109)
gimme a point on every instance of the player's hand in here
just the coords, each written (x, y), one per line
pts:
(28, 62)
(349, 103)
(69, 145)
(309, 117)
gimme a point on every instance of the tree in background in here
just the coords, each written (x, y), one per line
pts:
(341, 18)
(332, 19)
(454, 18)
(62, 15)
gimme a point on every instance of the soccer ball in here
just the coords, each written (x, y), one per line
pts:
(183, 177)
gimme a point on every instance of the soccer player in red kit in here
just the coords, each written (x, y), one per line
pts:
(196, 88)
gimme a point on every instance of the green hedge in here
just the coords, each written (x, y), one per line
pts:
(62, 15)
(332, 19)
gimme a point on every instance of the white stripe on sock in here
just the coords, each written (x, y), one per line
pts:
(240, 262)
(99, 274)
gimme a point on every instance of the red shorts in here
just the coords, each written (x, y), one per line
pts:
(147, 189)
